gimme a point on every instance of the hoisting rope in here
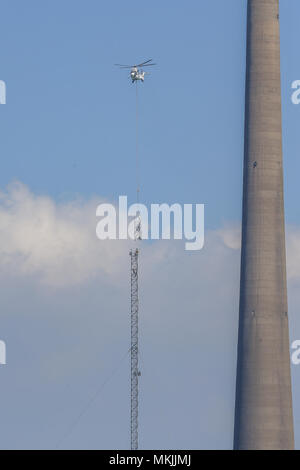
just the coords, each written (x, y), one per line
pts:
(91, 401)
(138, 228)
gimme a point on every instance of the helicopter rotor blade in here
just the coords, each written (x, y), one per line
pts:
(143, 63)
(124, 66)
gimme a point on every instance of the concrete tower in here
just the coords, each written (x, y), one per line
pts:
(263, 414)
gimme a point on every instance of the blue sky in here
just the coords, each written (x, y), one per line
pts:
(68, 134)
(68, 126)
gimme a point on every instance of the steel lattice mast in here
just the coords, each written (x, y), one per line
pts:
(134, 254)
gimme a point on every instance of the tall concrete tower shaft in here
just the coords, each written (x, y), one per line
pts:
(263, 414)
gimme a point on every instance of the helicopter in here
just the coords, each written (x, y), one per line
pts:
(136, 72)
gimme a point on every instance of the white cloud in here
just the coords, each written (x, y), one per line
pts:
(231, 236)
(55, 243)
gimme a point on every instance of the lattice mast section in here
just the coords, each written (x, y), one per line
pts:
(134, 255)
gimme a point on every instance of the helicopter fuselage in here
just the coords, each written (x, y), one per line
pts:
(137, 74)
